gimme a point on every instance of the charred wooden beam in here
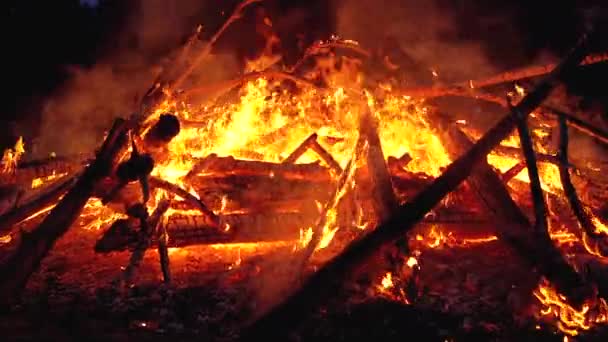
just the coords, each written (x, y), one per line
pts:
(329, 280)
(527, 146)
(188, 197)
(579, 211)
(34, 246)
(312, 144)
(300, 150)
(515, 152)
(45, 199)
(597, 133)
(513, 171)
(384, 199)
(325, 156)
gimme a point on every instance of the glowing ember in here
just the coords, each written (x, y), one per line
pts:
(569, 320)
(411, 262)
(5, 239)
(39, 181)
(437, 238)
(387, 281)
(101, 216)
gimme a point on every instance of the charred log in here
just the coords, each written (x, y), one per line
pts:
(163, 131)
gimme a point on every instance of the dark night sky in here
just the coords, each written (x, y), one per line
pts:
(41, 37)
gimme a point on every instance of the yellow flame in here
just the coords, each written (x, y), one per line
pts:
(387, 281)
(5, 239)
(39, 181)
(438, 238)
(100, 214)
(11, 157)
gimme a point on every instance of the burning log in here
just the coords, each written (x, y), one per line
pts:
(328, 281)
(575, 204)
(188, 197)
(34, 246)
(224, 166)
(47, 198)
(384, 199)
(312, 143)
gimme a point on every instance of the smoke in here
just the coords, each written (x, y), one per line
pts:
(76, 115)
(423, 29)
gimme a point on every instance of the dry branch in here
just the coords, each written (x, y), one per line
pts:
(34, 246)
(300, 150)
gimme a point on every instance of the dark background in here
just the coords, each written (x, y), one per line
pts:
(41, 38)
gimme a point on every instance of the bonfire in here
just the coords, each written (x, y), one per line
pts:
(336, 178)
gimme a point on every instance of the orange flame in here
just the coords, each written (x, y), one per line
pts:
(570, 321)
